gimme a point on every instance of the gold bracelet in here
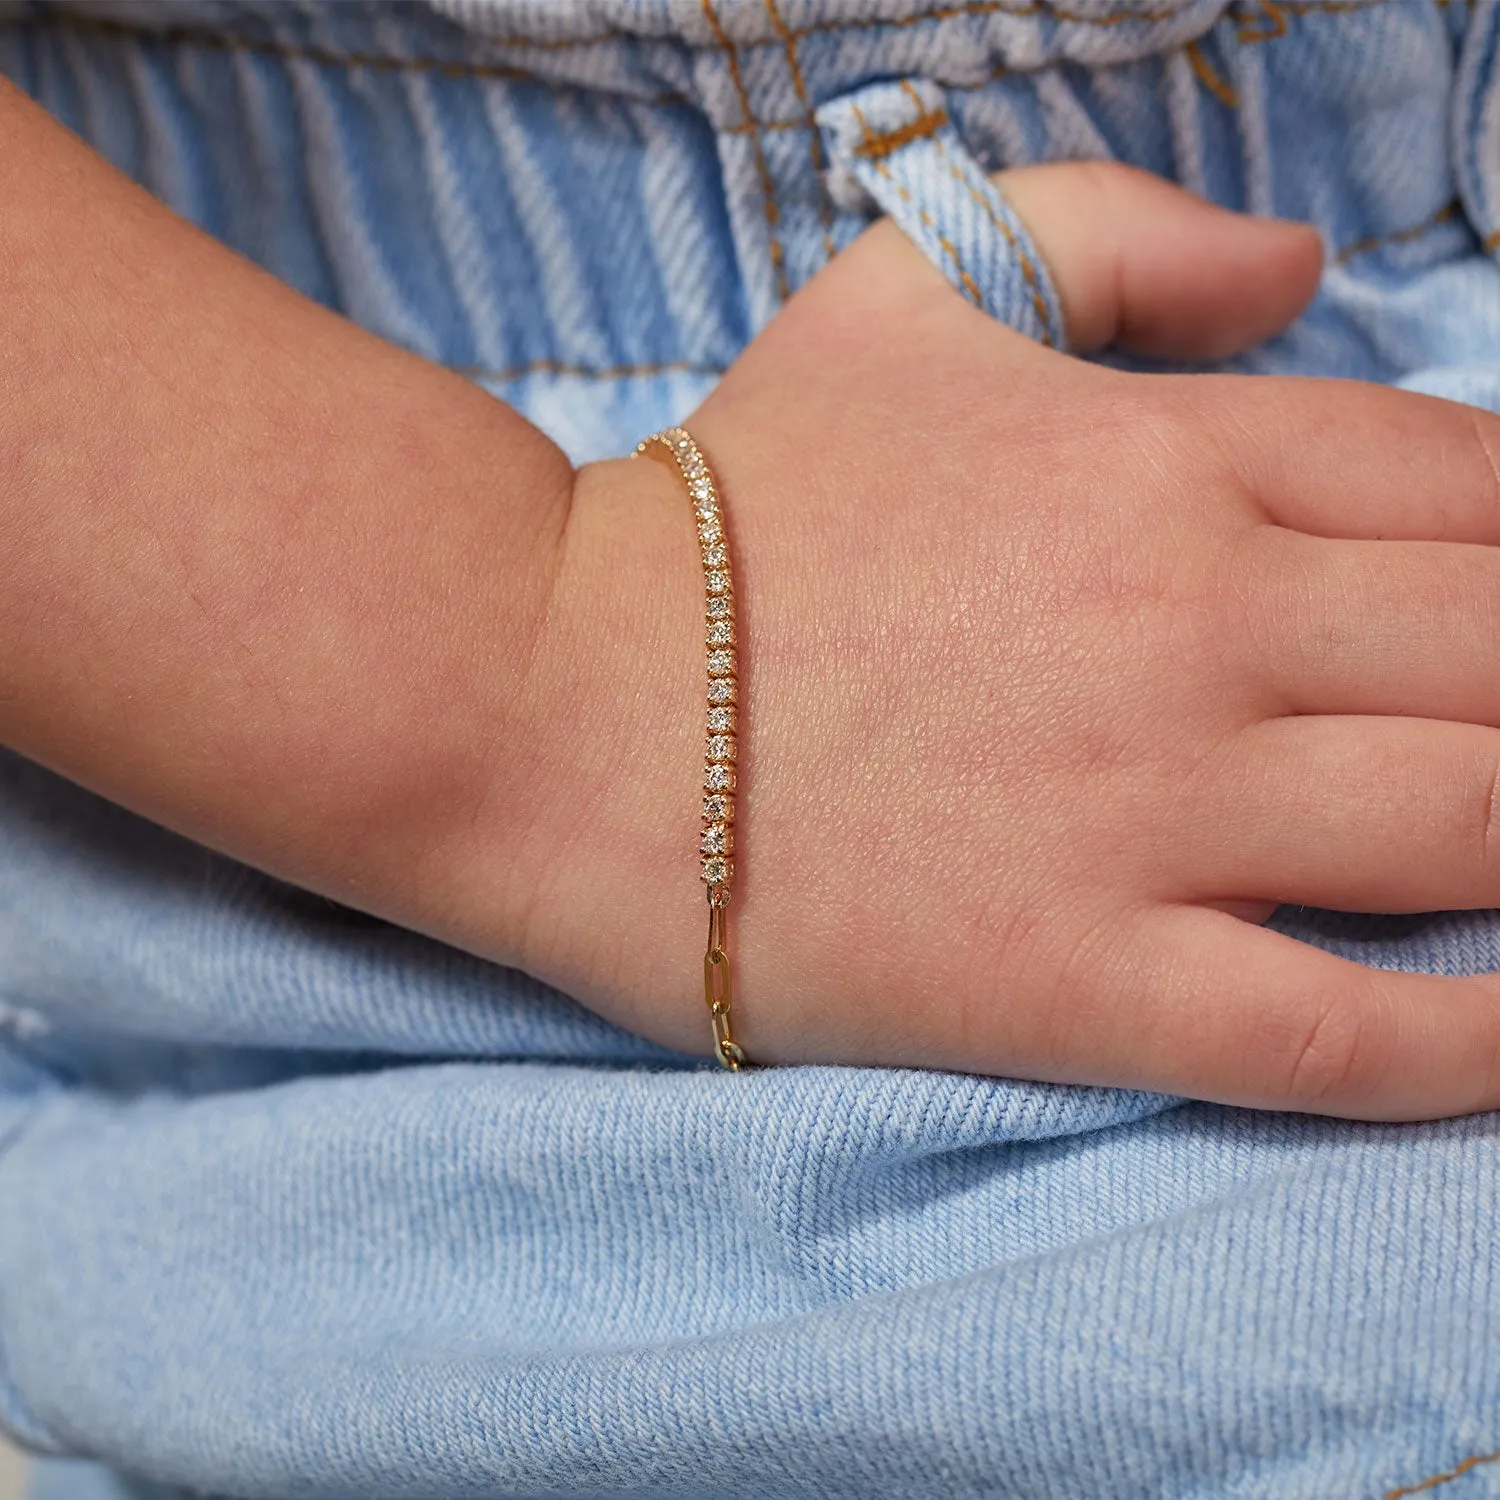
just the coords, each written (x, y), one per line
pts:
(716, 841)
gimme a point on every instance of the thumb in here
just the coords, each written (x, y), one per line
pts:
(1147, 266)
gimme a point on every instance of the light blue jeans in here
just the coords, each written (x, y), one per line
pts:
(298, 1204)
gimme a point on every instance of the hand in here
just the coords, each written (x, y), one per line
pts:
(1054, 681)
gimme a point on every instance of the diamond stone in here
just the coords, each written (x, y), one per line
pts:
(718, 808)
(717, 582)
(720, 607)
(716, 840)
(716, 871)
(721, 663)
(721, 633)
(721, 690)
(715, 556)
(721, 721)
(706, 508)
(719, 747)
(709, 530)
(718, 778)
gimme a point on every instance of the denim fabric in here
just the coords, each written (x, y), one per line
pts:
(297, 1204)
(897, 142)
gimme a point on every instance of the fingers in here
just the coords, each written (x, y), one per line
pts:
(1358, 814)
(1248, 1016)
(1341, 458)
(1142, 263)
(1360, 627)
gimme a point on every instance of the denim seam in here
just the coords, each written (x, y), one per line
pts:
(1324, 7)
(876, 147)
(1028, 269)
(1446, 1476)
(1029, 8)
(1447, 212)
(878, 162)
(1275, 14)
(815, 138)
(1204, 72)
(767, 182)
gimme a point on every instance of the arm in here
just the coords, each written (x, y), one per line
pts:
(264, 578)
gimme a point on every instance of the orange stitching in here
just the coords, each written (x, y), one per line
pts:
(1209, 79)
(992, 8)
(1028, 270)
(589, 372)
(1069, 17)
(963, 271)
(952, 249)
(909, 89)
(1328, 7)
(1443, 1478)
(746, 127)
(1018, 8)
(1276, 11)
(1000, 70)
(815, 140)
(1273, 13)
(877, 146)
(1400, 236)
(767, 183)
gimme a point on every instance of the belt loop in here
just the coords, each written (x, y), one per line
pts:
(895, 144)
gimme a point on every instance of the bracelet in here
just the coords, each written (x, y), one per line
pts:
(716, 841)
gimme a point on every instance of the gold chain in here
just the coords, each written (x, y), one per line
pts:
(716, 838)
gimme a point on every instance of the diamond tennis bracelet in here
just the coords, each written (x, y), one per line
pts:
(675, 445)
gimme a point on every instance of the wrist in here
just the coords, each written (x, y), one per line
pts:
(595, 889)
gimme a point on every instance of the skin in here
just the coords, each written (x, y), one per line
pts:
(1054, 679)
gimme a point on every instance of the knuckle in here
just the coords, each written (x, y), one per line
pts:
(1484, 810)
(1335, 1061)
